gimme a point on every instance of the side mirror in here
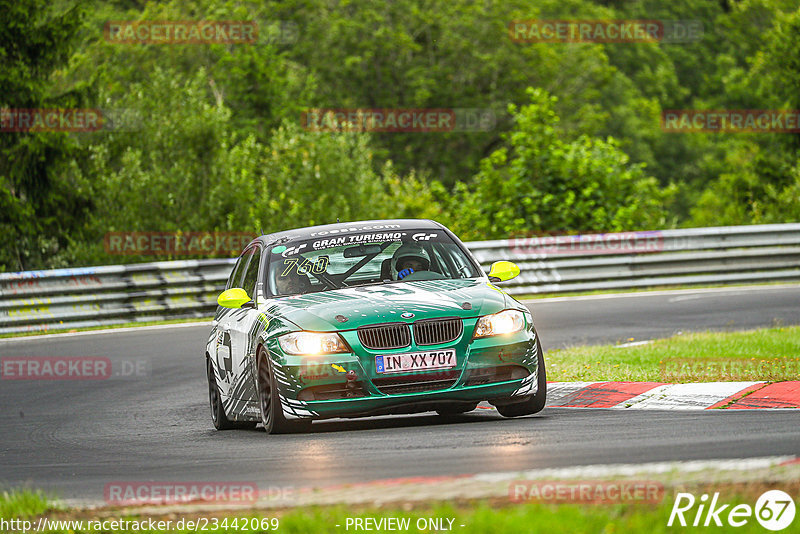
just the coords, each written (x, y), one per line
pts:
(234, 297)
(502, 271)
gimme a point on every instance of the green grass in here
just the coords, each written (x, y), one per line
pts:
(22, 504)
(477, 517)
(770, 354)
(106, 327)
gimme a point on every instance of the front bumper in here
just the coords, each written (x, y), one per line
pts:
(495, 368)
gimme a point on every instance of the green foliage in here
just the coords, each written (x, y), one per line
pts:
(768, 354)
(202, 174)
(208, 137)
(459, 54)
(545, 184)
(306, 178)
(39, 202)
(23, 503)
(156, 169)
(761, 183)
(532, 514)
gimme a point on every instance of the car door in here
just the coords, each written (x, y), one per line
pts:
(240, 326)
(230, 345)
(222, 339)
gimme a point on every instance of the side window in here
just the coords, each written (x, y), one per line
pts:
(251, 274)
(460, 262)
(438, 264)
(238, 269)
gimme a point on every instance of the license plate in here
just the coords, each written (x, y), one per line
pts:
(401, 363)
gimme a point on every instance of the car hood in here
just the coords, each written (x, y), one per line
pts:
(349, 308)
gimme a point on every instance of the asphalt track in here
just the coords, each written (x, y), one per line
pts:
(73, 437)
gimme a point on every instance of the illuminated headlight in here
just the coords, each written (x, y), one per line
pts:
(505, 322)
(311, 343)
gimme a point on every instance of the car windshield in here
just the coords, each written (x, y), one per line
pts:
(325, 262)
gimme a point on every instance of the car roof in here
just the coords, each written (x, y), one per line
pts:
(355, 226)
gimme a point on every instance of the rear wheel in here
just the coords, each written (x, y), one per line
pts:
(534, 404)
(221, 422)
(271, 412)
(456, 408)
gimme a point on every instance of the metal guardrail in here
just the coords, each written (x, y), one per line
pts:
(717, 255)
(95, 296)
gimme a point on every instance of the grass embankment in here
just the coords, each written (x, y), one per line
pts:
(468, 517)
(769, 354)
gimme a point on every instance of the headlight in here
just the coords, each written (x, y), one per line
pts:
(311, 343)
(505, 322)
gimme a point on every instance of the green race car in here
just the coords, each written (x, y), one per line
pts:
(368, 318)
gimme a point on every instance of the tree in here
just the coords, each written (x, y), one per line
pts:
(762, 182)
(40, 202)
(540, 183)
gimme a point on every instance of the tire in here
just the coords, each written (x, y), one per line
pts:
(536, 403)
(218, 417)
(271, 412)
(456, 408)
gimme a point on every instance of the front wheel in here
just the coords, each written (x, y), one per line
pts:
(534, 404)
(271, 411)
(221, 422)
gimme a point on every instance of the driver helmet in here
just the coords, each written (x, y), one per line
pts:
(410, 255)
(292, 283)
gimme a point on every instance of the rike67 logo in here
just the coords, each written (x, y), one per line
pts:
(774, 510)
